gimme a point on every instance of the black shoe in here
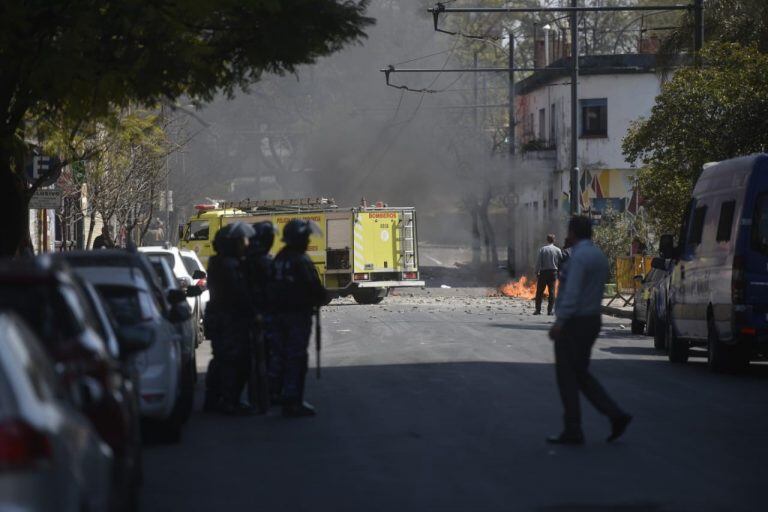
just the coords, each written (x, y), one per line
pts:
(301, 410)
(537, 312)
(573, 439)
(618, 426)
(236, 410)
(549, 313)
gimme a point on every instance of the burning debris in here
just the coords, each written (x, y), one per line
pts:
(523, 288)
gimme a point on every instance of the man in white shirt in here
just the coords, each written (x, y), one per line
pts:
(547, 265)
(575, 330)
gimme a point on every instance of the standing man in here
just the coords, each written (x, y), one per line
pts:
(547, 266)
(296, 293)
(575, 331)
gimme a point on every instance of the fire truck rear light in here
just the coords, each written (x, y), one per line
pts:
(362, 277)
(749, 331)
(410, 275)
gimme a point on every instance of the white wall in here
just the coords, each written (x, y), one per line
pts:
(628, 96)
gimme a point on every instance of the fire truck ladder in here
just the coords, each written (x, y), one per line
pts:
(311, 203)
(407, 243)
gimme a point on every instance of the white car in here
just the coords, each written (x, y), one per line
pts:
(50, 456)
(195, 267)
(129, 287)
(185, 278)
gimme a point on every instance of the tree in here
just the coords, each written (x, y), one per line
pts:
(705, 114)
(726, 21)
(81, 60)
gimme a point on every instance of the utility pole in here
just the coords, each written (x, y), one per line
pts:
(474, 92)
(698, 36)
(574, 178)
(512, 93)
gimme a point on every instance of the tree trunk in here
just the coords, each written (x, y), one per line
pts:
(15, 232)
(92, 219)
(491, 253)
(475, 234)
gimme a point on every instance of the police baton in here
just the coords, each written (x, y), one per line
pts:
(318, 340)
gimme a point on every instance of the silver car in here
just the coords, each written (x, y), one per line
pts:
(51, 458)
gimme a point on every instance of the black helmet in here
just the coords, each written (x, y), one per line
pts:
(230, 239)
(263, 238)
(297, 232)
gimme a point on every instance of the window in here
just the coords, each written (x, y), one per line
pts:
(542, 124)
(697, 225)
(552, 138)
(129, 305)
(725, 223)
(760, 225)
(594, 118)
(191, 265)
(198, 230)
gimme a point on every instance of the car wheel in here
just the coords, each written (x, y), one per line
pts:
(660, 335)
(724, 358)
(650, 321)
(677, 349)
(187, 397)
(637, 325)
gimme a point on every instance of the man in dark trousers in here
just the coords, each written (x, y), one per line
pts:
(575, 331)
(295, 293)
(547, 265)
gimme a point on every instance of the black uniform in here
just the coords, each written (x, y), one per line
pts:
(228, 321)
(295, 292)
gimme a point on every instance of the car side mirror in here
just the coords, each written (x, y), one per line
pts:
(176, 296)
(194, 291)
(198, 274)
(180, 312)
(135, 339)
(659, 263)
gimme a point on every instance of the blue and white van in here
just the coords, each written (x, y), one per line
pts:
(718, 295)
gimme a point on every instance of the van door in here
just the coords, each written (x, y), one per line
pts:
(695, 273)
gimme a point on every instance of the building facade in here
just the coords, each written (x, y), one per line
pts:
(614, 91)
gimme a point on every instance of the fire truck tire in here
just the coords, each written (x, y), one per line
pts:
(370, 295)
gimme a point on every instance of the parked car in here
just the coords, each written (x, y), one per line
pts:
(51, 458)
(54, 303)
(189, 330)
(642, 319)
(184, 278)
(659, 305)
(718, 294)
(199, 275)
(138, 303)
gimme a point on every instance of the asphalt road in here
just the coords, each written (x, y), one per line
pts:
(443, 403)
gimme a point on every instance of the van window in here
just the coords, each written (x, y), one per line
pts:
(760, 225)
(725, 223)
(198, 230)
(697, 225)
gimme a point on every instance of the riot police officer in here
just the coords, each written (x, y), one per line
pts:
(296, 292)
(259, 272)
(228, 317)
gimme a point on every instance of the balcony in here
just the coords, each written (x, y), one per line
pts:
(538, 149)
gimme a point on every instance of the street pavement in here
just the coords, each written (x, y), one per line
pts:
(442, 403)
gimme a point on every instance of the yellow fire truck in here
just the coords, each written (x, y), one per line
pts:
(362, 251)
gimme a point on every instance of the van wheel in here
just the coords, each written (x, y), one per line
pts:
(660, 335)
(724, 358)
(370, 295)
(677, 349)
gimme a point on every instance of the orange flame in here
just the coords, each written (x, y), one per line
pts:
(522, 288)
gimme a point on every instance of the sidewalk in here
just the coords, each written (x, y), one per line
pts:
(616, 309)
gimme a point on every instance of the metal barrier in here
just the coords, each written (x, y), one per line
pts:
(627, 267)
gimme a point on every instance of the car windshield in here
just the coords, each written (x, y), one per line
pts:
(128, 305)
(191, 264)
(44, 309)
(164, 255)
(158, 266)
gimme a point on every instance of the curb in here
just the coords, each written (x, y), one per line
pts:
(617, 312)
